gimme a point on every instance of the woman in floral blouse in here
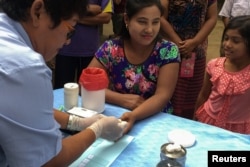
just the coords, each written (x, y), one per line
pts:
(142, 67)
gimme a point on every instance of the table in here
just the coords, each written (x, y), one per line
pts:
(149, 134)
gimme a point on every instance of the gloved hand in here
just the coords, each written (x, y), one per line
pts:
(78, 123)
(109, 128)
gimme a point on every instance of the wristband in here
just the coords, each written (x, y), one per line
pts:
(70, 122)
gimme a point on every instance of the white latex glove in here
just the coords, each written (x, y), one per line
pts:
(79, 123)
(108, 128)
(122, 124)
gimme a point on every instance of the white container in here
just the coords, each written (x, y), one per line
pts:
(71, 94)
(93, 83)
(93, 100)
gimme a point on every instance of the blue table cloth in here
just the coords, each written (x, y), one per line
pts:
(149, 134)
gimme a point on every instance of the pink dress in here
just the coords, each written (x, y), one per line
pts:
(228, 105)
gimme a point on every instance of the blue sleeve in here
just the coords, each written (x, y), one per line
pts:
(31, 135)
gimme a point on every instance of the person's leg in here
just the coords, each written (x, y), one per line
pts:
(65, 70)
(83, 63)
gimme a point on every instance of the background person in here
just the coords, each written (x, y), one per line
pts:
(224, 97)
(117, 16)
(76, 56)
(188, 24)
(31, 33)
(233, 8)
(142, 67)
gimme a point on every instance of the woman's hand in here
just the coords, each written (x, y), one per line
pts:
(131, 101)
(130, 119)
(186, 48)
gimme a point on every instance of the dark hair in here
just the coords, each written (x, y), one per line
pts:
(133, 7)
(242, 24)
(58, 10)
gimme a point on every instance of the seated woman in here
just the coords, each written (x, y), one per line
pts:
(142, 67)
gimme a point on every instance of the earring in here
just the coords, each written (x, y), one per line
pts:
(126, 26)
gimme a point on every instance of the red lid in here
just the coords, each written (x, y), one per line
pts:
(93, 78)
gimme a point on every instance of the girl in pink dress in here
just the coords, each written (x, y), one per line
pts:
(224, 100)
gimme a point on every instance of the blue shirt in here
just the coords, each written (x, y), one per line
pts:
(30, 136)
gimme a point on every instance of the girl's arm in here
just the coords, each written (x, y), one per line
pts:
(205, 91)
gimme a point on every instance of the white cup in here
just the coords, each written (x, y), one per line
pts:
(71, 93)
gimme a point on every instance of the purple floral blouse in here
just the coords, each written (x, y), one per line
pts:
(140, 79)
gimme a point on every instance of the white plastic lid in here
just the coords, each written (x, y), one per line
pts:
(182, 137)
